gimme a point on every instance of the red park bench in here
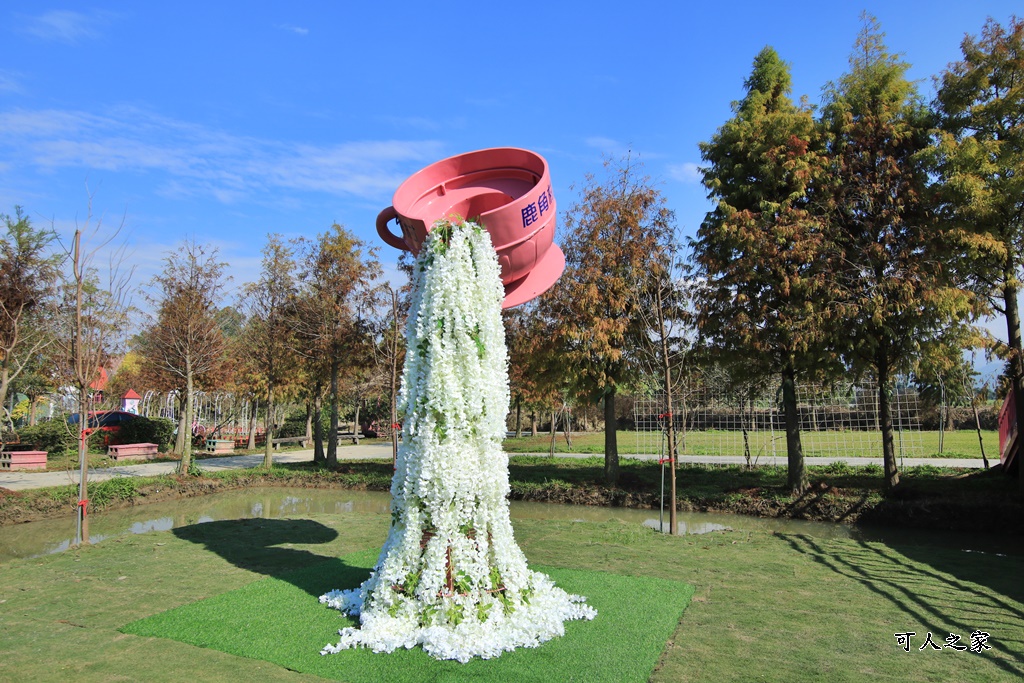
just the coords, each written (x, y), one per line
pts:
(133, 451)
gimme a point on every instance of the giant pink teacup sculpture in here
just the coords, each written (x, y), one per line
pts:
(505, 189)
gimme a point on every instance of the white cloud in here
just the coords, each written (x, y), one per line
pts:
(204, 161)
(66, 26)
(299, 30)
(687, 172)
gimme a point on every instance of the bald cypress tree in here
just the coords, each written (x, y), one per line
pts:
(611, 234)
(759, 254)
(891, 281)
(980, 158)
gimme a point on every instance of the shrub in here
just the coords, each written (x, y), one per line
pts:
(54, 436)
(99, 440)
(295, 424)
(838, 467)
(118, 488)
(158, 430)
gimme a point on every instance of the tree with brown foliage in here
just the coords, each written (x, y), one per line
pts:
(183, 342)
(338, 274)
(610, 234)
(269, 333)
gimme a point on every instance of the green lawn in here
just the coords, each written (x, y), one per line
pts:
(271, 620)
(767, 607)
(762, 444)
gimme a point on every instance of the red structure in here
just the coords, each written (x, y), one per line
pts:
(505, 189)
(99, 386)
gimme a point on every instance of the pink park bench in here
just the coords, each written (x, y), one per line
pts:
(23, 460)
(220, 445)
(133, 451)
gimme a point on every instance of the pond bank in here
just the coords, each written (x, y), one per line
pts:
(929, 497)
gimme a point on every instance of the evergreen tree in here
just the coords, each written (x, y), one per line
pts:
(980, 158)
(759, 254)
(892, 290)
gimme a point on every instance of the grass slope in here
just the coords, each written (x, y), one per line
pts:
(961, 443)
(280, 620)
(766, 607)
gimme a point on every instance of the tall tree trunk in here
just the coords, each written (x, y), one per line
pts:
(1013, 335)
(670, 435)
(32, 403)
(551, 448)
(268, 447)
(254, 408)
(892, 475)
(670, 432)
(797, 477)
(332, 432)
(355, 421)
(611, 447)
(519, 417)
(186, 451)
(5, 380)
(82, 535)
(318, 430)
(977, 427)
(184, 426)
(533, 424)
(309, 420)
(746, 433)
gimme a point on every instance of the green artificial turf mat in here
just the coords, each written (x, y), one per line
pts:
(281, 620)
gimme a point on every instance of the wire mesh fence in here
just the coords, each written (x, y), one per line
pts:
(716, 418)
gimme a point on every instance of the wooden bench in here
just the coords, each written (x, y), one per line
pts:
(220, 445)
(276, 443)
(133, 451)
(23, 460)
(354, 438)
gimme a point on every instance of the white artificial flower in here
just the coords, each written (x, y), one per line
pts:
(450, 576)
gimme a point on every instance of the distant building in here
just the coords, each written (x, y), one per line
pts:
(99, 386)
(130, 402)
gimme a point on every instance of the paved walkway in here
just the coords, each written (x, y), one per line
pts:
(20, 480)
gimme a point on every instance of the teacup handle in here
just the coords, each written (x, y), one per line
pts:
(385, 233)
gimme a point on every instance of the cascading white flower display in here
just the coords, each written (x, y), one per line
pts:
(450, 576)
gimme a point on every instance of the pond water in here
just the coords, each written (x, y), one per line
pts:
(55, 535)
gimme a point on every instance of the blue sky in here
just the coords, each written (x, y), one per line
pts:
(224, 121)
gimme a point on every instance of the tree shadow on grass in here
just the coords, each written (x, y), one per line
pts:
(939, 589)
(256, 545)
